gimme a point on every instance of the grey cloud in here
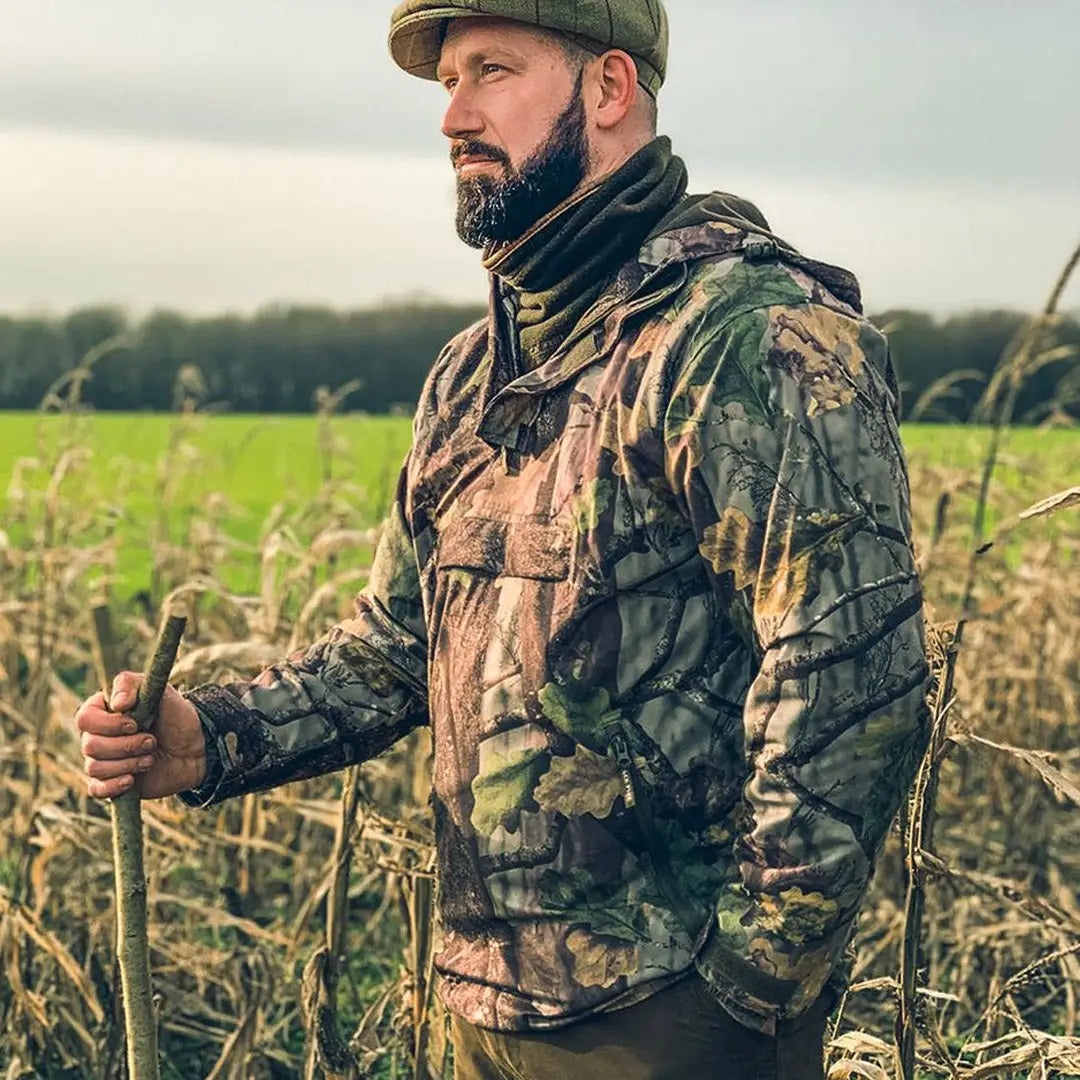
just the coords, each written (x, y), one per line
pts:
(978, 90)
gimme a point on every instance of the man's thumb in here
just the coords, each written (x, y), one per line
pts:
(125, 690)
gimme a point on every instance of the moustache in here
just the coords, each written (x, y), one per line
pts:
(472, 148)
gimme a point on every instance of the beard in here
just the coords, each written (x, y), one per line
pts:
(499, 210)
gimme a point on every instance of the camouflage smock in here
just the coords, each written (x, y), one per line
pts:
(658, 602)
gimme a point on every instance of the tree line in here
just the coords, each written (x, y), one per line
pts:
(284, 359)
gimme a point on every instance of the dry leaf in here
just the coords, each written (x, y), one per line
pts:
(1038, 760)
(842, 1070)
(1063, 500)
(859, 1042)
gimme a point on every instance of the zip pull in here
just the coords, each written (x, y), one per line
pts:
(625, 762)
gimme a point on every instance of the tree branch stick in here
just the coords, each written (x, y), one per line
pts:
(132, 939)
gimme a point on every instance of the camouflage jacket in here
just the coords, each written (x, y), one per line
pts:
(658, 602)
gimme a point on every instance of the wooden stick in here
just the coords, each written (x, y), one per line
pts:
(132, 939)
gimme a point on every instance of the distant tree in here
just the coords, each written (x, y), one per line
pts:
(34, 353)
(276, 360)
(928, 351)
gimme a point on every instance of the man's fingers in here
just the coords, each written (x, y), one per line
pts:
(109, 770)
(125, 689)
(112, 745)
(109, 789)
(93, 719)
(109, 748)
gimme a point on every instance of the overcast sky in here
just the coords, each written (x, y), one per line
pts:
(224, 154)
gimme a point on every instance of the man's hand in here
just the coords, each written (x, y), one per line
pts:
(169, 758)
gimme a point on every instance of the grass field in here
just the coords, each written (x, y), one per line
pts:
(159, 472)
(248, 465)
(255, 460)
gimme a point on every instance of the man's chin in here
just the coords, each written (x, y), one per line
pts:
(473, 231)
(473, 240)
(475, 219)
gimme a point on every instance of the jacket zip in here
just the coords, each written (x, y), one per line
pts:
(625, 763)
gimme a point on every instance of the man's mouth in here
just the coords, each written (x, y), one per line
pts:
(475, 158)
(469, 163)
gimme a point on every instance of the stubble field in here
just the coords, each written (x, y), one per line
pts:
(263, 528)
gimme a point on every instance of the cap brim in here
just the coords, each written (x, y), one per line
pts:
(416, 42)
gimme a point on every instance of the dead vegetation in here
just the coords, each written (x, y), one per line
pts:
(291, 932)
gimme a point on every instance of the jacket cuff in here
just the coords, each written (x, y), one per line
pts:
(216, 707)
(759, 1000)
(749, 995)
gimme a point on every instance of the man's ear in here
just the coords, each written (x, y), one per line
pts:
(616, 81)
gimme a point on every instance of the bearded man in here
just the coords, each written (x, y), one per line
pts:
(648, 577)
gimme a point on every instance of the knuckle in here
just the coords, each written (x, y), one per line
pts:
(101, 770)
(89, 721)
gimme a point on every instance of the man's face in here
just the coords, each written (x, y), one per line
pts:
(516, 122)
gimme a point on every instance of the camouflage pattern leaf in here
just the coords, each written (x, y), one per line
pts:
(500, 793)
(797, 917)
(820, 350)
(591, 503)
(584, 717)
(604, 908)
(600, 961)
(586, 783)
(734, 543)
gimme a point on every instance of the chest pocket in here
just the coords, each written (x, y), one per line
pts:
(523, 548)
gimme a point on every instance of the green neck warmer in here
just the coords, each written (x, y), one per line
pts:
(562, 264)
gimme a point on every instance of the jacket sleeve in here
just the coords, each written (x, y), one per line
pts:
(342, 701)
(781, 440)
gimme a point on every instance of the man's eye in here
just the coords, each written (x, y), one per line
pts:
(490, 69)
(450, 84)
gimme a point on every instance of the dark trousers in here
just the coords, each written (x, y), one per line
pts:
(680, 1033)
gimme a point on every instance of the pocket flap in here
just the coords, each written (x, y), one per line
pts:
(525, 549)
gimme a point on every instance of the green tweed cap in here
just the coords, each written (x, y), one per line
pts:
(638, 27)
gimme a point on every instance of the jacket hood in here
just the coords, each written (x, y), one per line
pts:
(718, 223)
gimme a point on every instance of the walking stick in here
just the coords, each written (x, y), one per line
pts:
(132, 941)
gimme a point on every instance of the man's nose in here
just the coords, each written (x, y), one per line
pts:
(462, 120)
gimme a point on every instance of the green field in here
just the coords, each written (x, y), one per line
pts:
(255, 460)
(248, 465)
(148, 477)
(1027, 453)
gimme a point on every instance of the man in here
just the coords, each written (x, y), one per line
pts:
(648, 577)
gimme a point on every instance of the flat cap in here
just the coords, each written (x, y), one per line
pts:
(638, 27)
